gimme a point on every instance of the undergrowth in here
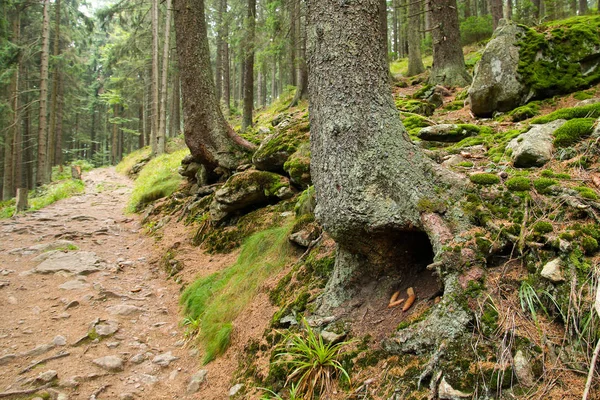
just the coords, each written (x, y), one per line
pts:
(216, 300)
(133, 158)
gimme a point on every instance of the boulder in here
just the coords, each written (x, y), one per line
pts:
(447, 132)
(276, 148)
(246, 189)
(298, 166)
(496, 86)
(189, 170)
(534, 147)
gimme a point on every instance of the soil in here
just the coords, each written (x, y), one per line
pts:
(34, 309)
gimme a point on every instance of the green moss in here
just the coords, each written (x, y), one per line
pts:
(489, 319)
(572, 131)
(586, 192)
(589, 245)
(298, 166)
(306, 202)
(542, 227)
(582, 95)
(543, 184)
(549, 55)
(415, 106)
(518, 184)
(466, 164)
(562, 176)
(484, 179)
(454, 105)
(287, 140)
(426, 205)
(524, 112)
(589, 111)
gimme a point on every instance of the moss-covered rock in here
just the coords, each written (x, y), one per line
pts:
(524, 112)
(573, 131)
(534, 147)
(484, 179)
(415, 106)
(298, 166)
(276, 148)
(518, 184)
(586, 111)
(246, 189)
(543, 185)
(448, 132)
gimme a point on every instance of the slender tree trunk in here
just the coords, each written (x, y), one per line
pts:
(448, 60)
(263, 98)
(467, 8)
(221, 10)
(148, 107)
(496, 9)
(292, 52)
(55, 84)
(175, 106)
(274, 80)
(249, 67)
(583, 7)
(155, 80)
(42, 175)
(141, 125)
(415, 64)
(93, 139)
(508, 10)
(58, 156)
(396, 36)
(12, 138)
(162, 128)
(302, 88)
(28, 140)
(16, 105)
(114, 143)
(226, 78)
(210, 139)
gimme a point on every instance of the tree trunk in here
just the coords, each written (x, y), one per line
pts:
(292, 52)
(175, 106)
(141, 125)
(415, 64)
(155, 79)
(12, 142)
(448, 60)
(148, 106)
(114, 143)
(55, 84)
(58, 137)
(274, 80)
(467, 8)
(210, 139)
(226, 79)
(583, 7)
(249, 67)
(508, 10)
(263, 98)
(162, 127)
(496, 9)
(302, 88)
(42, 175)
(396, 36)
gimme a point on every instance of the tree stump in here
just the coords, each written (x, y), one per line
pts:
(21, 201)
(76, 171)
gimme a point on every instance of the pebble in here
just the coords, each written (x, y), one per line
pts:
(196, 381)
(138, 358)
(106, 328)
(59, 340)
(164, 359)
(235, 389)
(124, 309)
(109, 363)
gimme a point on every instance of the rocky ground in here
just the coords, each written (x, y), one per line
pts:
(84, 311)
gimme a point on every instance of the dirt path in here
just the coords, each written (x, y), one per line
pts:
(104, 288)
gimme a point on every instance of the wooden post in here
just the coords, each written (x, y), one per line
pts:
(21, 201)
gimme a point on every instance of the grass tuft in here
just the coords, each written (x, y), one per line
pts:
(131, 159)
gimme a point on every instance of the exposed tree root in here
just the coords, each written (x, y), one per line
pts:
(14, 393)
(54, 357)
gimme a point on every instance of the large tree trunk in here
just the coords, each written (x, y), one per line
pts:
(162, 127)
(496, 10)
(210, 139)
(583, 7)
(226, 78)
(415, 64)
(175, 106)
(58, 137)
(249, 67)
(55, 90)
(42, 175)
(155, 80)
(448, 60)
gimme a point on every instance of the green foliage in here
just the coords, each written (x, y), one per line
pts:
(314, 364)
(586, 192)
(216, 300)
(572, 131)
(588, 111)
(133, 158)
(484, 179)
(582, 95)
(475, 29)
(454, 105)
(589, 245)
(543, 184)
(158, 179)
(549, 56)
(518, 184)
(542, 227)
(413, 123)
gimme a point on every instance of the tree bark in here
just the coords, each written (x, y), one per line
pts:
(210, 139)
(114, 143)
(58, 137)
(302, 73)
(155, 80)
(55, 84)
(583, 7)
(162, 127)
(175, 106)
(292, 52)
(415, 64)
(12, 142)
(249, 66)
(42, 175)
(226, 78)
(496, 10)
(448, 67)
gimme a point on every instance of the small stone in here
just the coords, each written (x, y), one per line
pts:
(523, 369)
(179, 343)
(12, 300)
(332, 337)
(106, 328)
(148, 379)
(59, 340)
(164, 359)
(138, 358)
(196, 381)
(447, 392)
(126, 396)
(72, 304)
(235, 389)
(112, 345)
(5, 359)
(173, 375)
(124, 309)
(47, 376)
(75, 284)
(552, 271)
(109, 363)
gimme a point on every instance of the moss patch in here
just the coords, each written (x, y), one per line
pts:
(484, 179)
(524, 112)
(573, 131)
(518, 184)
(589, 111)
(298, 166)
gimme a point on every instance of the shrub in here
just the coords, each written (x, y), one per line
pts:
(484, 179)
(572, 131)
(518, 184)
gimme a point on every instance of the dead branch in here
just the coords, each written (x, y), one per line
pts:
(4, 395)
(98, 391)
(54, 357)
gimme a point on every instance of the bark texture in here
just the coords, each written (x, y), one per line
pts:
(448, 67)
(369, 177)
(415, 64)
(210, 139)
(42, 175)
(162, 127)
(249, 66)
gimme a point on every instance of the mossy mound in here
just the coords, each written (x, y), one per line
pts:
(413, 123)
(449, 132)
(298, 166)
(560, 57)
(484, 179)
(573, 131)
(518, 184)
(524, 112)
(587, 111)
(275, 149)
(415, 106)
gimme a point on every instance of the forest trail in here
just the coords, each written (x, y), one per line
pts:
(105, 288)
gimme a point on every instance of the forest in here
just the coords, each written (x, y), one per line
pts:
(354, 199)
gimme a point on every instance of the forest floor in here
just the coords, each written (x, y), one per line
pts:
(78, 282)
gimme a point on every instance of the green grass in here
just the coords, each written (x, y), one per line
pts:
(158, 179)
(400, 67)
(124, 167)
(219, 298)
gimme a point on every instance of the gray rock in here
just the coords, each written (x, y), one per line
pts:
(306, 235)
(109, 363)
(588, 102)
(46, 376)
(201, 176)
(267, 160)
(113, 345)
(77, 263)
(495, 84)
(38, 350)
(235, 389)
(553, 271)
(164, 359)
(106, 328)
(596, 132)
(196, 381)
(148, 379)
(534, 147)
(59, 340)
(447, 392)
(126, 396)
(138, 358)
(7, 358)
(448, 133)
(43, 247)
(75, 284)
(124, 309)
(332, 337)
(523, 369)
(189, 170)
